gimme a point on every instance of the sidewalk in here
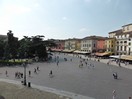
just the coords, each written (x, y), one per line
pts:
(11, 89)
(128, 66)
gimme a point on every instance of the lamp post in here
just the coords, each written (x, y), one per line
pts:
(119, 59)
(24, 82)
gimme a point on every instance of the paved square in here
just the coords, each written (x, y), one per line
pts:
(96, 82)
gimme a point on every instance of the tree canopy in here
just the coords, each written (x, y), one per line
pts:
(27, 47)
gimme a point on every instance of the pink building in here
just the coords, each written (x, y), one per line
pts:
(60, 45)
(101, 45)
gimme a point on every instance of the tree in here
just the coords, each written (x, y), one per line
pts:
(11, 46)
(24, 46)
(1, 48)
(33, 46)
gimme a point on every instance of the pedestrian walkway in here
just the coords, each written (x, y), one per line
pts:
(10, 91)
(128, 66)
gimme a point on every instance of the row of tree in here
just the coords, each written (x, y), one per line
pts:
(27, 47)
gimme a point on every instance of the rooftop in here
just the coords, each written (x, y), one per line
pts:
(116, 31)
(127, 25)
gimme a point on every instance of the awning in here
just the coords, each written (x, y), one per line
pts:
(114, 56)
(103, 54)
(126, 57)
(68, 50)
(80, 52)
(56, 50)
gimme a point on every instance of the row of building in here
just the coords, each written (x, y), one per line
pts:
(119, 42)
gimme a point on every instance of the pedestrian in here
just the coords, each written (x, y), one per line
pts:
(35, 71)
(130, 98)
(16, 75)
(119, 64)
(21, 75)
(37, 68)
(107, 63)
(114, 94)
(57, 63)
(6, 73)
(115, 75)
(86, 63)
(29, 72)
(51, 74)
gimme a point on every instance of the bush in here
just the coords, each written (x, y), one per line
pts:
(12, 62)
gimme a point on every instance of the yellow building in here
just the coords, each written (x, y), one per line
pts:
(110, 44)
(73, 44)
(78, 44)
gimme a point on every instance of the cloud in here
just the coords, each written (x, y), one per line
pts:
(64, 18)
(83, 30)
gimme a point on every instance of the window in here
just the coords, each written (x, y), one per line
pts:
(129, 50)
(123, 28)
(127, 27)
(129, 39)
(129, 44)
(121, 48)
(125, 48)
(125, 41)
(117, 42)
(117, 48)
(121, 42)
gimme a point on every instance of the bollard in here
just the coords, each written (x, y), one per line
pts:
(29, 84)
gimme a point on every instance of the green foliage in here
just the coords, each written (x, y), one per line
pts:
(27, 47)
(1, 48)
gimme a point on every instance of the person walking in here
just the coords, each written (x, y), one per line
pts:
(35, 71)
(114, 94)
(51, 74)
(57, 63)
(29, 73)
(115, 75)
(6, 73)
(130, 98)
(37, 68)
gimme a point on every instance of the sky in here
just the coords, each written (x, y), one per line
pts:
(63, 19)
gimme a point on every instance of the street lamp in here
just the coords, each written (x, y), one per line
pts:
(119, 59)
(24, 81)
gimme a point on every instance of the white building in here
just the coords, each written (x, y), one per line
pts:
(89, 44)
(124, 41)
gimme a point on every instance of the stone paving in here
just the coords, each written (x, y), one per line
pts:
(94, 82)
(13, 91)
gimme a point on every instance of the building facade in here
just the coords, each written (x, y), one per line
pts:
(110, 45)
(101, 44)
(72, 44)
(124, 41)
(92, 44)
